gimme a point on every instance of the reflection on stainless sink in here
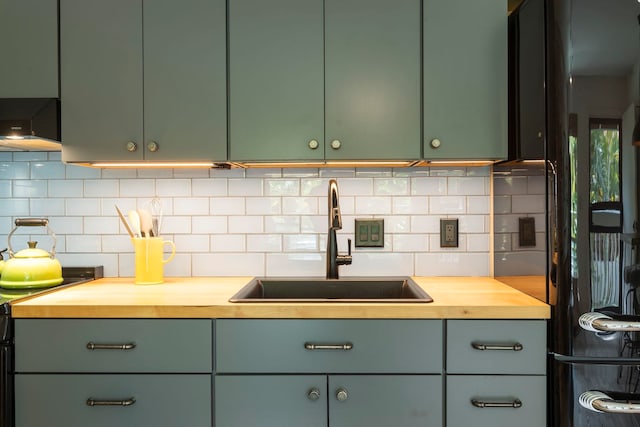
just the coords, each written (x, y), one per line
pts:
(314, 289)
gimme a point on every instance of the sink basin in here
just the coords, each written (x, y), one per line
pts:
(314, 289)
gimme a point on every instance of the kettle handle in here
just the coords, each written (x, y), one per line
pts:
(32, 222)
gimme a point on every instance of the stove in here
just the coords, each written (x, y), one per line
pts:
(72, 276)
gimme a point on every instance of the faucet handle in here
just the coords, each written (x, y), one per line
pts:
(349, 247)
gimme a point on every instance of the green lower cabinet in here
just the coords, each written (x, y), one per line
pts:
(495, 400)
(385, 400)
(334, 401)
(270, 400)
(74, 400)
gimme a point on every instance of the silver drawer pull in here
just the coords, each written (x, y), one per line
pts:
(126, 402)
(481, 404)
(513, 347)
(601, 402)
(311, 346)
(126, 346)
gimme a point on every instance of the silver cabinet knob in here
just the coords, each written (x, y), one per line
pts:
(131, 146)
(335, 144)
(342, 395)
(153, 146)
(435, 143)
(313, 144)
(313, 394)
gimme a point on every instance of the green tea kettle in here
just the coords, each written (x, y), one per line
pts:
(31, 267)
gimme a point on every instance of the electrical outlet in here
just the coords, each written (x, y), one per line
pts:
(448, 233)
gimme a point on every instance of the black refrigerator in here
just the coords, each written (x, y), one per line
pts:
(594, 330)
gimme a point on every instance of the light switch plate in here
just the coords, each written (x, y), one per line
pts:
(369, 233)
(527, 231)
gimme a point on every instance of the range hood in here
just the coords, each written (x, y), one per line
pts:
(29, 124)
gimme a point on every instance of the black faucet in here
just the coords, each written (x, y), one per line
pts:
(335, 223)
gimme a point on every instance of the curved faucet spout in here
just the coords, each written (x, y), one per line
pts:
(335, 223)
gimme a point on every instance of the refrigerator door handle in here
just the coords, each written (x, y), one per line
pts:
(599, 322)
(601, 402)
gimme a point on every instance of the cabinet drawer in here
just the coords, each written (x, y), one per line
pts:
(328, 346)
(160, 400)
(496, 346)
(158, 345)
(527, 392)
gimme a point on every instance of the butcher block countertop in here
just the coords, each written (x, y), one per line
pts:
(207, 297)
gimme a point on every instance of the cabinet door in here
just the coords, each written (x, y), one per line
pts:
(276, 79)
(29, 46)
(383, 401)
(136, 400)
(185, 90)
(372, 92)
(465, 79)
(270, 400)
(101, 79)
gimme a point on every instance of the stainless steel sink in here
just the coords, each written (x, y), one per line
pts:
(314, 289)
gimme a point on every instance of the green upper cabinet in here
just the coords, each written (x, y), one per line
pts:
(465, 79)
(143, 80)
(276, 79)
(29, 46)
(314, 80)
(372, 79)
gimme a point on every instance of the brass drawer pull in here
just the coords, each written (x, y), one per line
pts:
(483, 347)
(127, 346)
(126, 402)
(345, 347)
(481, 404)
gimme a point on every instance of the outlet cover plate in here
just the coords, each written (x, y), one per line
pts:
(369, 233)
(448, 233)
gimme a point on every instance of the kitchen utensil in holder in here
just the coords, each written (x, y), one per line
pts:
(149, 259)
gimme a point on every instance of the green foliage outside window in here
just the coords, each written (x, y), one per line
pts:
(605, 166)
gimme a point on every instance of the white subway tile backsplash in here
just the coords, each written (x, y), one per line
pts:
(510, 185)
(282, 187)
(246, 224)
(282, 224)
(101, 225)
(82, 207)
(447, 205)
(300, 243)
(30, 156)
(450, 263)
(186, 243)
(209, 224)
(192, 206)
(299, 205)
(264, 243)
(245, 187)
(227, 205)
(536, 184)
(228, 264)
(409, 205)
(428, 186)
(528, 204)
(228, 243)
(410, 243)
(46, 207)
(465, 186)
(102, 188)
(373, 205)
(47, 170)
(264, 205)
(391, 186)
(209, 187)
(29, 188)
(259, 221)
(295, 264)
(137, 188)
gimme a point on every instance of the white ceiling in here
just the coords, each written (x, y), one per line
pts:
(604, 37)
